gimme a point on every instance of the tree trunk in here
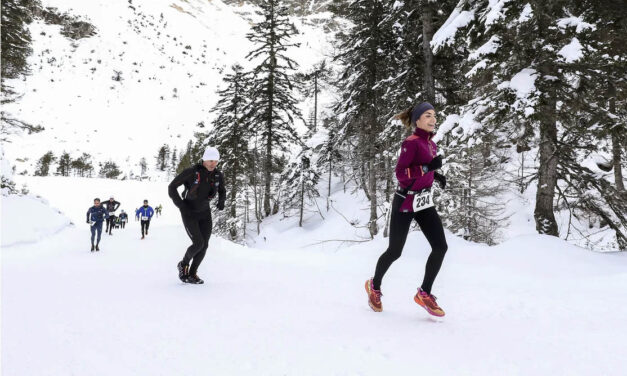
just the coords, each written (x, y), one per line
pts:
(427, 35)
(547, 171)
(616, 151)
(372, 185)
(233, 215)
(470, 232)
(255, 186)
(302, 198)
(269, 117)
(388, 181)
(522, 172)
(616, 160)
(315, 124)
(329, 193)
(268, 165)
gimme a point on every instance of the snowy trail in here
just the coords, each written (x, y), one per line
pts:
(303, 312)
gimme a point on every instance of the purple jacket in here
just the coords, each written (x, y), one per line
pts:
(417, 150)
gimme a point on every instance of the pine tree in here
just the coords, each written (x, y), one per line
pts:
(273, 107)
(186, 159)
(472, 204)
(173, 162)
(16, 40)
(300, 183)
(313, 83)
(143, 166)
(231, 136)
(329, 155)
(162, 158)
(82, 165)
(16, 48)
(361, 108)
(110, 170)
(597, 81)
(65, 164)
(43, 165)
(532, 89)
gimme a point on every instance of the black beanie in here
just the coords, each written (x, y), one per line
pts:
(419, 110)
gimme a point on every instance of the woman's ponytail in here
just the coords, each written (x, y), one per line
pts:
(405, 117)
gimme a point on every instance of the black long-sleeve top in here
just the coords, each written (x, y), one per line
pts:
(201, 185)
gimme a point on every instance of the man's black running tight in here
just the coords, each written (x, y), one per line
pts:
(431, 226)
(199, 230)
(145, 225)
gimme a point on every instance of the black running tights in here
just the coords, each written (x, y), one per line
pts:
(145, 225)
(430, 224)
(199, 230)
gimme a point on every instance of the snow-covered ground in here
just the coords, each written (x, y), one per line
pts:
(28, 219)
(533, 305)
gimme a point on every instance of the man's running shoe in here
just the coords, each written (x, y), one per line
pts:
(194, 279)
(183, 271)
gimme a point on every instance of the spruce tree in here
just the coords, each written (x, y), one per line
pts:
(143, 166)
(162, 158)
(110, 170)
(362, 111)
(231, 134)
(186, 158)
(312, 84)
(43, 165)
(16, 48)
(173, 162)
(65, 164)
(533, 84)
(273, 108)
(82, 165)
(329, 155)
(300, 183)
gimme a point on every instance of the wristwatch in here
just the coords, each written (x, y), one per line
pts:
(425, 169)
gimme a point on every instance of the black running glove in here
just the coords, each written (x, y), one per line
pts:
(435, 163)
(440, 179)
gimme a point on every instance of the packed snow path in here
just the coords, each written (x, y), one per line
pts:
(526, 307)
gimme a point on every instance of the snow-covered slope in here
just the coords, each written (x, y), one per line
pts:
(148, 77)
(534, 305)
(28, 219)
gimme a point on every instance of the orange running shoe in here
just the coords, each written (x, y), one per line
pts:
(427, 301)
(374, 297)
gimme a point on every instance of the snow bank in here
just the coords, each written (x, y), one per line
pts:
(28, 219)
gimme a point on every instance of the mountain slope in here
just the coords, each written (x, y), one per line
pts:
(147, 77)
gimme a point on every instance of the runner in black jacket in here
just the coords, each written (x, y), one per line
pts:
(202, 183)
(111, 207)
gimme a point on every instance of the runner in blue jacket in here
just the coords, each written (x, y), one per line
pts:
(145, 213)
(95, 216)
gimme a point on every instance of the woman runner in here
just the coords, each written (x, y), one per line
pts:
(415, 172)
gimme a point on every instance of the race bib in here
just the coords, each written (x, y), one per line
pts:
(423, 200)
(144, 218)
